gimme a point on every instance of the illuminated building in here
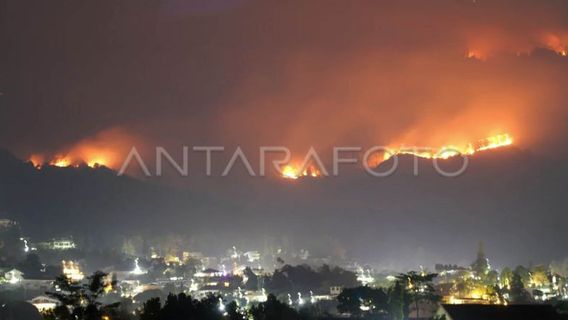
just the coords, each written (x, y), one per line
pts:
(44, 303)
(63, 244)
(72, 271)
(14, 276)
(58, 244)
(252, 256)
(335, 290)
(7, 223)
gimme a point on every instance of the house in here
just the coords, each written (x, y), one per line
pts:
(214, 281)
(72, 270)
(44, 303)
(498, 312)
(14, 276)
(6, 224)
(60, 244)
(210, 273)
(63, 244)
(334, 291)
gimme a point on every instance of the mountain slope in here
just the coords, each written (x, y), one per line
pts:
(509, 198)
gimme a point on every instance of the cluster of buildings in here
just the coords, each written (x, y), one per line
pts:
(239, 275)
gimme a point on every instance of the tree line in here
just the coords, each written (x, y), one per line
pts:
(83, 301)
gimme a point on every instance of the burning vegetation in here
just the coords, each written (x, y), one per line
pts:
(557, 44)
(292, 172)
(445, 152)
(94, 160)
(94, 155)
(105, 149)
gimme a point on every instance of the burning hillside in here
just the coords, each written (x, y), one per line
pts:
(105, 149)
(106, 152)
(375, 159)
(449, 151)
(292, 172)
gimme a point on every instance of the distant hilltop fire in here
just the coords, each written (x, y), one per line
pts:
(291, 172)
(449, 151)
(383, 154)
(288, 168)
(66, 161)
(107, 148)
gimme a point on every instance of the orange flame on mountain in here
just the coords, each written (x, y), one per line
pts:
(37, 160)
(476, 54)
(293, 172)
(446, 152)
(61, 162)
(554, 42)
(105, 149)
(75, 158)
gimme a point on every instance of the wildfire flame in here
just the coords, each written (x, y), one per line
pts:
(555, 43)
(476, 54)
(64, 162)
(493, 142)
(292, 172)
(446, 152)
(61, 162)
(93, 155)
(104, 149)
(95, 160)
(37, 160)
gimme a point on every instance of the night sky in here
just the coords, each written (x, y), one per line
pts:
(88, 77)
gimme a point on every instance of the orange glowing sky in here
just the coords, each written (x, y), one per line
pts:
(294, 73)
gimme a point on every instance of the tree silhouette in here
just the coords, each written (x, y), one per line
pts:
(420, 288)
(80, 300)
(481, 263)
(272, 309)
(517, 293)
(352, 300)
(303, 278)
(398, 301)
(233, 312)
(184, 307)
(151, 309)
